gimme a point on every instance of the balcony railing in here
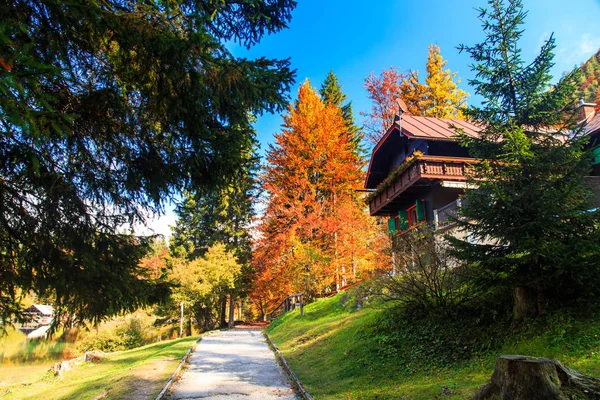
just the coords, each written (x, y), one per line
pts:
(424, 167)
(445, 217)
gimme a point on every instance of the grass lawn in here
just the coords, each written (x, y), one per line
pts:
(337, 354)
(134, 374)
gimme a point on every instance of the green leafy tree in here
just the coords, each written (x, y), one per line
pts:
(107, 108)
(201, 283)
(528, 221)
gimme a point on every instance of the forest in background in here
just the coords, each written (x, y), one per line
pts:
(589, 81)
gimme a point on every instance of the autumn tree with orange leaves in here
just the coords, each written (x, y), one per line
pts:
(438, 97)
(383, 90)
(315, 234)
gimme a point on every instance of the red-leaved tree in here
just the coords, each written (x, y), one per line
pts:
(383, 90)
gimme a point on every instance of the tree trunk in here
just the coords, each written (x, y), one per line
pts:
(231, 310)
(528, 378)
(223, 308)
(206, 319)
(394, 263)
(526, 302)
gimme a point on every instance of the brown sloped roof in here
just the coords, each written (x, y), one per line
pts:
(593, 124)
(430, 128)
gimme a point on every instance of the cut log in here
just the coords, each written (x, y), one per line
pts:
(528, 378)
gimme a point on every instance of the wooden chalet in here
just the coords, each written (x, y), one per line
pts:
(591, 118)
(417, 171)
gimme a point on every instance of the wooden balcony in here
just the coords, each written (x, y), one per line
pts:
(422, 171)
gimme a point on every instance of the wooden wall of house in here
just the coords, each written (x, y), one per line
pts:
(397, 157)
(406, 147)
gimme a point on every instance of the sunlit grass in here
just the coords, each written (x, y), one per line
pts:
(142, 371)
(327, 350)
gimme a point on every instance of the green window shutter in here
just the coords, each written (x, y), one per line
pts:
(420, 211)
(392, 226)
(403, 216)
(596, 153)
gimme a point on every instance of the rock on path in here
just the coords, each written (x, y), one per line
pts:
(235, 364)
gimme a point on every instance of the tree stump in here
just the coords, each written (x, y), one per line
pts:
(528, 378)
(93, 356)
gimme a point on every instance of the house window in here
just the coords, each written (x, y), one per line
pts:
(412, 216)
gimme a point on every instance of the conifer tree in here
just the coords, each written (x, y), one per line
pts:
(331, 93)
(108, 109)
(529, 224)
(221, 215)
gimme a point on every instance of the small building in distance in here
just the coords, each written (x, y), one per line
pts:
(38, 319)
(38, 314)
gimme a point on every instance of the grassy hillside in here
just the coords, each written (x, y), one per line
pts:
(134, 374)
(376, 352)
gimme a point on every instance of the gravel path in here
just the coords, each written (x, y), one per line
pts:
(235, 364)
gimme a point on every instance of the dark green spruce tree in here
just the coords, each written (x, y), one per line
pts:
(331, 93)
(107, 109)
(529, 221)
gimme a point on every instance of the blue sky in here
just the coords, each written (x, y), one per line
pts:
(354, 38)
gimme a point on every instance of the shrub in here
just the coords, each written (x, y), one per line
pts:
(127, 332)
(429, 278)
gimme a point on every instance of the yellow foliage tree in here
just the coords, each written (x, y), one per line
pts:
(414, 93)
(438, 97)
(443, 98)
(201, 282)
